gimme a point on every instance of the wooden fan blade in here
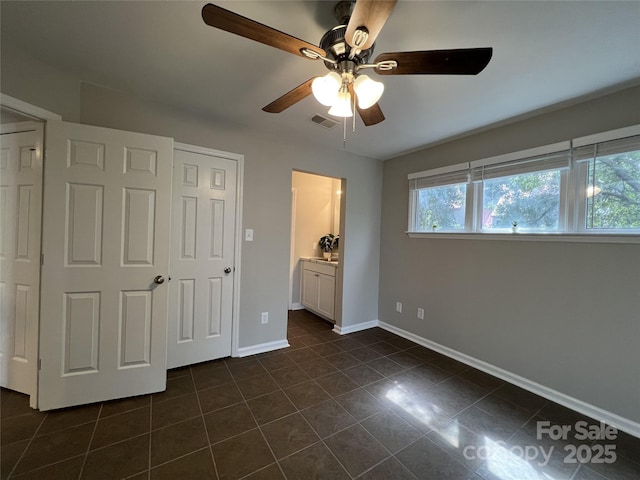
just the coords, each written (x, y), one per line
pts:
(372, 115)
(466, 61)
(232, 22)
(290, 98)
(371, 14)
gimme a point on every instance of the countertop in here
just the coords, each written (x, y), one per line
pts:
(321, 260)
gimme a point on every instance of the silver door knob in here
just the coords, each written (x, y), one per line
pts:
(159, 279)
(227, 270)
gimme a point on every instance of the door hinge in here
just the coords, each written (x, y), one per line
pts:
(41, 259)
(39, 364)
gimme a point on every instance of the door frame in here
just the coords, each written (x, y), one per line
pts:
(341, 265)
(27, 109)
(239, 158)
(292, 257)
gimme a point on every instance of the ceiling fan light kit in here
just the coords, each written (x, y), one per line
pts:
(345, 50)
(326, 88)
(333, 91)
(368, 91)
(342, 106)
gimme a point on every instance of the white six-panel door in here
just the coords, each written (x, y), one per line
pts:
(106, 233)
(202, 257)
(20, 215)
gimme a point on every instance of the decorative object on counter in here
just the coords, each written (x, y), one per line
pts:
(514, 226)
(328, 243)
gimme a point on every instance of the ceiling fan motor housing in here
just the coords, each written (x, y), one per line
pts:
(338, 49)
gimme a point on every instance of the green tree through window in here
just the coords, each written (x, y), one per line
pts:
(531, 199)
(613, 192)
(442, 206)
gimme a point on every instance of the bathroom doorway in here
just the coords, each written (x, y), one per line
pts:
(317, 203)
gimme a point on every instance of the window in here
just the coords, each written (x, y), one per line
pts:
(530, 199)
(441, 207)
(525, 189)
(439, 199)
(588, 186)
(610, 180)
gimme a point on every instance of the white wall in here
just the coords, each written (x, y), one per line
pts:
(37, 83)
(314, 214)
(564, 315)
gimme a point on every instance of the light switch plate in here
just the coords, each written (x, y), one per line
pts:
(248, 235)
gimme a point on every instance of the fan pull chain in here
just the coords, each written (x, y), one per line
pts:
(344, 136)
(354, 112)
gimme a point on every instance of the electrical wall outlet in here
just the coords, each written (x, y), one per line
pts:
(421, 313)
(399, 307)
(264, 317)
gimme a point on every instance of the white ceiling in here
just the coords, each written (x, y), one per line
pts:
(545, 53)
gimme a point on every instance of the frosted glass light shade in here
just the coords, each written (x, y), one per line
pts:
(325, 89)
(342, 106)
(368, 91)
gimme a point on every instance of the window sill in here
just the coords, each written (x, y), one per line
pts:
(532, 237)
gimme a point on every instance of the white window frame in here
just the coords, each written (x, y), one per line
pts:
(432, 174)
(562, 210)
(573, 200)
(581, 171)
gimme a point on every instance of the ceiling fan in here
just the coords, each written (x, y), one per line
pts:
(346, 51)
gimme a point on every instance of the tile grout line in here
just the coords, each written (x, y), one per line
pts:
(174, 459)
(477, 401)
(86, 454)
(331, 398)
(246, 404)
(204, 424)
(28, 445)
(336, 458)
(150, 435)
(391, 454)
(57, 462)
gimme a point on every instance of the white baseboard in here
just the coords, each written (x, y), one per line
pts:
(297, 306)
(262, 348)
(355, 328)
(621, 423)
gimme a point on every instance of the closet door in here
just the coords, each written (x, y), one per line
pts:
(106, 232)
(202, 256)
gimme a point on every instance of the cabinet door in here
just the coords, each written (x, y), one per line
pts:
(310, 289)
(326, 295)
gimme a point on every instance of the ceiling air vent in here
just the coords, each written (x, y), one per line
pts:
(324, 121)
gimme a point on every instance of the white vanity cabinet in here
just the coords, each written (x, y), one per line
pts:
(319, 287)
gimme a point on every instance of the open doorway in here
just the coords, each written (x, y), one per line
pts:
(316, 205)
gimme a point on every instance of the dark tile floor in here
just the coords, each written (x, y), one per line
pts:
(370, 405)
